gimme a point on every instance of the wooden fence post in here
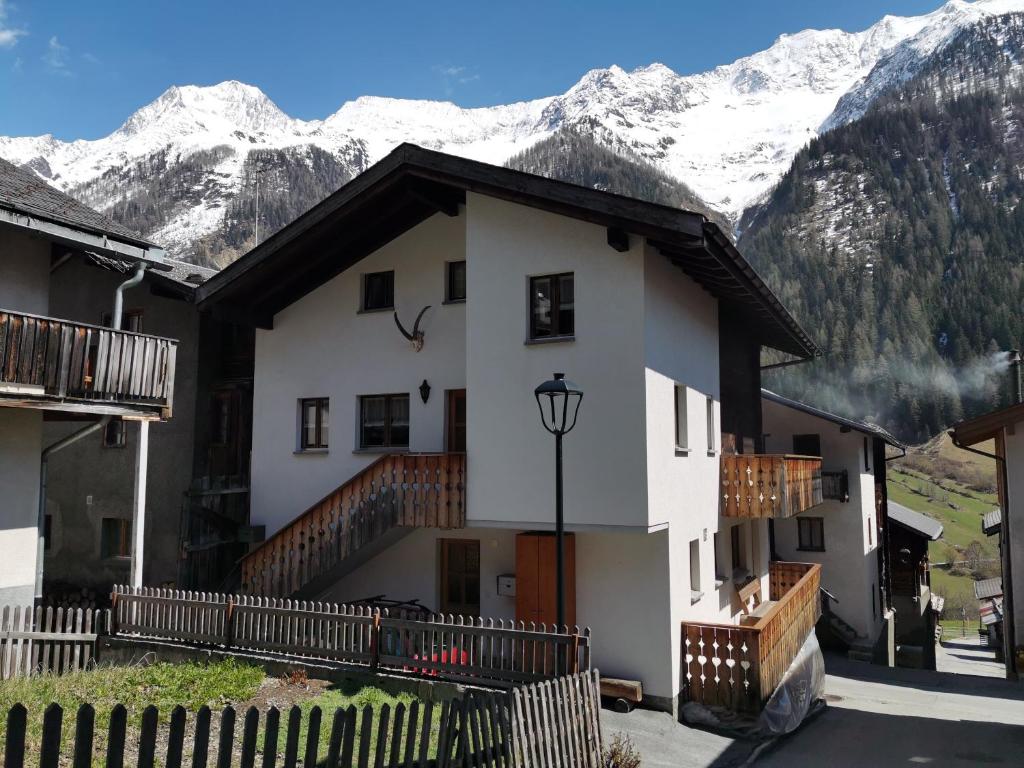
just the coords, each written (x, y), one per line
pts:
(14, 750)
(375, 641)
(229, 622)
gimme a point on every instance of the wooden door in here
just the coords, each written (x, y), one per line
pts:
(536, 583)
(460, 577)
(455, 432)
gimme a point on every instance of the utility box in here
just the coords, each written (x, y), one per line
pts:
(507, 585)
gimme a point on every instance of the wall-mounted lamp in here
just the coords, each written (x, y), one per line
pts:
(425, 391)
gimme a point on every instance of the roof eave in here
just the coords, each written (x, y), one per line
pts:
(79, 238)
(810, 410)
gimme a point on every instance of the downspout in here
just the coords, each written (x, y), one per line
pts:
(74, 437)
(1004, 554)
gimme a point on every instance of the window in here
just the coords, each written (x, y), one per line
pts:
(47, 531)
(552, 309)
(807, 445)
(682, 444)
(314, 415)
(384, 421)
(695, 593)
(711, 425)
(867, 465)
(456, 289)
(378, 291)
(116, 537)
(870, 542)
(812, 533)
(131, 320)
(720, 574)
(114, 434)
(460, 577)
(736, 543)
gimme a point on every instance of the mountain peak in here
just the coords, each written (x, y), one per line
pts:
(229, 103)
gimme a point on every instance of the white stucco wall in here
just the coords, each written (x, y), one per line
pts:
(511, 457)
(849, 564)
(1014, 452)
(20, 447)
(321, 346)
(24, 272)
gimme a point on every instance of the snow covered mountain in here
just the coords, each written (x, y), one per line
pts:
(183, 168)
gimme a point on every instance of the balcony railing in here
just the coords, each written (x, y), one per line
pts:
(739, 667)
(769, 485)
(396, 491)
(45, 359)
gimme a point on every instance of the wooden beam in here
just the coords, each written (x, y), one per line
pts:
(441, 198)
(618, 239)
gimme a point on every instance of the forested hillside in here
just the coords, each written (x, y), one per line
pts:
(897, 240)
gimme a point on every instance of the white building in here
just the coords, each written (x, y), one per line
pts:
(75, 374)
(846, 534)
(649, 309)
(1005, 428)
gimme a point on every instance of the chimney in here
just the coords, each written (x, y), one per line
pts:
(1016, 385)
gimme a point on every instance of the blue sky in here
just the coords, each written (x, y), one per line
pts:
(78, 69)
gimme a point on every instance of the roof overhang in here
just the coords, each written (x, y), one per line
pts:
(915, 522)
(411, 184)
(872, 430)
(73, 237)
(987, 426)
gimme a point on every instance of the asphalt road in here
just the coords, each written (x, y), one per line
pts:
(876, 718)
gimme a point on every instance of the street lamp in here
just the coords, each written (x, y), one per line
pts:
(557, 399)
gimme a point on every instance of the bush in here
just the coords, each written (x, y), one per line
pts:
(621, 753)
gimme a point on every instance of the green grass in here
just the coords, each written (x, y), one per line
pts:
(960, 510)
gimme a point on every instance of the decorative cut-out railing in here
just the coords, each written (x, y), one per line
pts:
(401, 490)
(769, 485)
(42, 358)
(739, 667)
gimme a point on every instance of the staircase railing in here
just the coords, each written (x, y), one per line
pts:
(399, 490)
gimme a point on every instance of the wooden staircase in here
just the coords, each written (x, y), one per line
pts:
(370, 511)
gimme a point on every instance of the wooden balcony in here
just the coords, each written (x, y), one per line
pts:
(738, 667)
(353, 522)
(769, 485)
(60, 364)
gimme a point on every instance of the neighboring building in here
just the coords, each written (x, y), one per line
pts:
(68, 379)
(88, 501)
(990, 599)
(1006, 428)
(917, 612)
(845, 534)
(509, 277)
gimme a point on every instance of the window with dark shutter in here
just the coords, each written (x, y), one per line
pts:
(811, 532)
(378, 291)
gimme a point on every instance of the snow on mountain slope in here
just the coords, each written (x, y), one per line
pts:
(729, 133)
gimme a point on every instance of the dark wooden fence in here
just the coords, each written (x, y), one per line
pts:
(66, 359)
(455, 648)
(56, 640)
(545, 725)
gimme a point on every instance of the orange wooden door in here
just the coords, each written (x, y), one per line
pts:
(536, 582)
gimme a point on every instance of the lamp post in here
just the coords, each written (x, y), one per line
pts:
(557, 399)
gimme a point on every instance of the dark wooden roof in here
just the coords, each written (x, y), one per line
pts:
(23, 192)
(986, 426)
(412, 183)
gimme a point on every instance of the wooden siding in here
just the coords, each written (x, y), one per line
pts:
(739, 667)
(400, 490)
(769, 485)
(50, 359)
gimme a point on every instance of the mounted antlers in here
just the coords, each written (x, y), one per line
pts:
(416, 337)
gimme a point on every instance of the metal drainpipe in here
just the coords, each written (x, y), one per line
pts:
(74, 437)
(1009, 647)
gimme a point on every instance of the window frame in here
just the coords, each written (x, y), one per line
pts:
(121, 439)
(806, 543)
(806, 437)
(736, 548)
(682, 419)
(449, 294)
(321, 443)
(710, 407)
(364, 293)
(389, 443)
(124, 550)
(695, 590)
(557, 332)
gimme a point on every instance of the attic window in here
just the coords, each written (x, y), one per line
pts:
(378, 291)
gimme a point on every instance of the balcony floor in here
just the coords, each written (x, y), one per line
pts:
(78, 407)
